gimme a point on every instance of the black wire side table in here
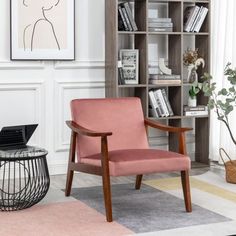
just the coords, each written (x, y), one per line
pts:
(24, 178)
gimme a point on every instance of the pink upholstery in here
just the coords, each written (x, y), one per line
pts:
(129, 153)
(141, 161)
(121, 116)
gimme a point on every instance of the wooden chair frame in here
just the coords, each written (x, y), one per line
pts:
(104, 169)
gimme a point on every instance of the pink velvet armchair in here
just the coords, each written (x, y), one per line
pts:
(109, 137)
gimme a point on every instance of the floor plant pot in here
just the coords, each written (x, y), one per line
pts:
(230, 167)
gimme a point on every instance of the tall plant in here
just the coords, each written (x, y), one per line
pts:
(223, 101)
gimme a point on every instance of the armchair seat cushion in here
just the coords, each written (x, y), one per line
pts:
(141, 161)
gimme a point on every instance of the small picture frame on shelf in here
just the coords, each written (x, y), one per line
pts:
(130, 62)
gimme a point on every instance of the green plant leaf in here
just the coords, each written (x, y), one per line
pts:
(220, 117)
(232, 89)
(224, 91)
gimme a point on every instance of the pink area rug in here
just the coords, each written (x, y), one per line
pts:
(59, 219)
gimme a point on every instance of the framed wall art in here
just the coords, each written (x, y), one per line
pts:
(42, 30)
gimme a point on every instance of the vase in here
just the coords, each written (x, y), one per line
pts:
(192, 74)
(192, 102)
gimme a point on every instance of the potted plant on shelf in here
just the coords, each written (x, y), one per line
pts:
(192, 61)
(223, 102)
(193, 91)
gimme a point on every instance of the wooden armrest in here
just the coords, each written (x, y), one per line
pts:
(157, 125)
(84, 131)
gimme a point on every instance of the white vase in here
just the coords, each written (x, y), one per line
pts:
(192, 102)
(192, 74)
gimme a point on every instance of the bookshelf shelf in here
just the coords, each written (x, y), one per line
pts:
(197, 1)
(132, 86)
(132, 32)
(170, 46)
(164, 33)
(196, 34)
(195, 117)
(170, 118)
(151, 86)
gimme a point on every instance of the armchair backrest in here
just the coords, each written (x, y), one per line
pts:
(121, 116)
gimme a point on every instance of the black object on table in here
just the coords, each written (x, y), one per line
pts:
(24, 176)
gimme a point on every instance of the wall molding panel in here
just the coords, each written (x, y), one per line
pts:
(37, 87)
(9, 65)
(79, 64)
(62, 110)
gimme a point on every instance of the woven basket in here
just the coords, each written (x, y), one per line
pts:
(230, 168)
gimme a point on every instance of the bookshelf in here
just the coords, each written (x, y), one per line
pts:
(171, 46)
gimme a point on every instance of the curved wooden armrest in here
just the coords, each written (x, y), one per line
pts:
(84, 131)
(157, 125)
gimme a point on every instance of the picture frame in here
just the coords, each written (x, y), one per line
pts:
(130, 65)
(42, 30)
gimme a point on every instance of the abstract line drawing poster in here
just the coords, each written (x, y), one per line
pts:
(42, 30)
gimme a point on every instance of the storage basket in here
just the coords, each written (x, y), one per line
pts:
(230, 167)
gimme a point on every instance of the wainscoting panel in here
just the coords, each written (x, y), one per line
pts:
(22, 103)
(65, 92)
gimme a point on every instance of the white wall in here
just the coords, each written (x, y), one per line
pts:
(40, 92)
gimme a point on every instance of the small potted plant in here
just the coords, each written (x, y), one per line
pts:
(193, 91)
(192, 61)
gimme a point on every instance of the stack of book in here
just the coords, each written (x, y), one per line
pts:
(199, 110)
(125, 18)
(164, 79)
(160, 105)
(160, 25)
(194, 17)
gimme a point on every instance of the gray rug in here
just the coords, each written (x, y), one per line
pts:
(147, 209)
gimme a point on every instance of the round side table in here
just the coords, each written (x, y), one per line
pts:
(24, 178)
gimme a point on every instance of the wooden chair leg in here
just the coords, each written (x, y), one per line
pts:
(138, 181)
(106, 180)
(107, 197)
(186, 190)
(70, 174)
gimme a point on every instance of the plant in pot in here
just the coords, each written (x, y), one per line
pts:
(193, 91)
(223, 102)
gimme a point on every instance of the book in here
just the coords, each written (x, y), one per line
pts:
(154, 105)
(201, 20)
(125, 14)
(123, 18)
(163, 106)
(190, 14)
(160, 24)
(196, 113)
(164, 77)
(196, 19)
(121, 80)
(121, 26)
(197, 108)
(166, 81)
(159, 20)
(130, 16)
(171, 113)
(160, 29)
(159, 105)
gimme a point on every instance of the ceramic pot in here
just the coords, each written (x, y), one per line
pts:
(192, 102)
